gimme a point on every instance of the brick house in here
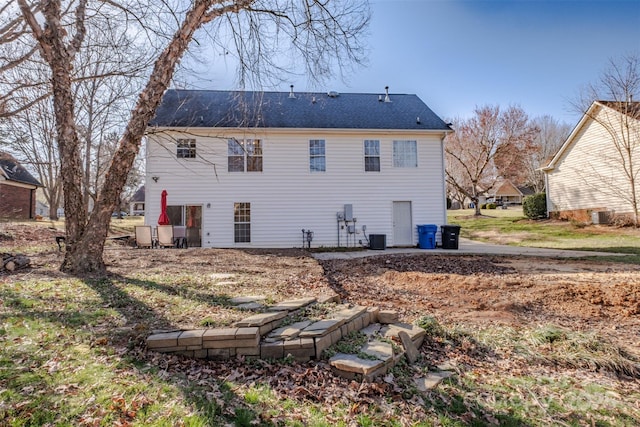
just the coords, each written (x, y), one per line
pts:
(17, 189)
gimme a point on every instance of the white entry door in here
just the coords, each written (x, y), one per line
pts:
(402, 227)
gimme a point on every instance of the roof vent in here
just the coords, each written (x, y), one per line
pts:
(291, 94)
(386, 96)
(333, 94)
(379, 98)
(313, 100)
(418, 120)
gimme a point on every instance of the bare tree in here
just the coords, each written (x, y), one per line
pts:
(485, 148)
(322, 34)
(546, 143)
(31, 135)
(609, 103)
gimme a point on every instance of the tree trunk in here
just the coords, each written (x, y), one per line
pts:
(84, 255)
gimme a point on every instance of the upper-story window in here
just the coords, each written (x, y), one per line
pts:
(186, 149)
(317, 160)
(372, 155)
(244, 155)
(405, 154)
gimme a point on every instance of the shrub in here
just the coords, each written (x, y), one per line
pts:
(491, 205)
(483, 206)
(535, 206)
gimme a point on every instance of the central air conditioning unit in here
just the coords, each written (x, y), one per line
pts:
(378, 242)
(601, 217)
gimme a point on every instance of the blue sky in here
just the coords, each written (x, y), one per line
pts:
(459, 54)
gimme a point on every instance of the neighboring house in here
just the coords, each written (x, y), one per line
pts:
(259, 169)
(587, 173)
(17, 189)
(136, 204)
(507, 193)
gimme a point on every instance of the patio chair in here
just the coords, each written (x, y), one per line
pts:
(165, 236)
(180, 236)
(144, 237)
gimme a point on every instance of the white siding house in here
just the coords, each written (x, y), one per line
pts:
(592, 169)
(255, 169)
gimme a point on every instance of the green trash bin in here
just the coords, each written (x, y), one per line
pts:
(450, 236)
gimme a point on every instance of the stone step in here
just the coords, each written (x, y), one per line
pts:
(262, 336)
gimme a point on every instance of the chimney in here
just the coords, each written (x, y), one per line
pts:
(291, 94)
(386, 96)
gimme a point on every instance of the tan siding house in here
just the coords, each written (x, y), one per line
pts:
(343, 166)
(592, 170)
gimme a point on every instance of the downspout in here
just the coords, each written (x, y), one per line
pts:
(546, 192)
(32, 198)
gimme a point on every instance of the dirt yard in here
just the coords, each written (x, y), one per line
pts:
(467, 290)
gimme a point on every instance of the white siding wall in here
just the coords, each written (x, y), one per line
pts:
(589, 175)
(286, 197)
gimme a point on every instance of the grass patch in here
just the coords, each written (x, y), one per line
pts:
(512, 228)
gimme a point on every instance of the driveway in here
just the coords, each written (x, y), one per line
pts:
(468, 247)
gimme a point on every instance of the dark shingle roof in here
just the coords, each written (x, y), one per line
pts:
(138, 196)
(198, 108)
(631, 108)
(14, 170)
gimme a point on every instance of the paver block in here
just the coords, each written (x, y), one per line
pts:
(327, 325)
(382, 350)
(321, 344)
(200, 354)
(261, 319)
(432, 380)
(329, 298)
(288, 332)
(388, 316)
(246, 333)
(248, 351)
(301, 354)
(246, 299)
(349, 313)
(292, 305)
(172, 349)
(336, 336)
(352, 363)
(250, 306)
(273, 350)
(415, 332)
(371, 329)
(373, 313)
(168, 339)
(410, 348)
(219, 353)
(192, 337)
(247, 342)
(219, 334)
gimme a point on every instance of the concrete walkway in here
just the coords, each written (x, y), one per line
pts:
(468, 247)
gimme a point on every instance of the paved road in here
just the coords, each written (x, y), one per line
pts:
(467, 246)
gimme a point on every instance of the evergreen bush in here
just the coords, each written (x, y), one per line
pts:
(535, 206)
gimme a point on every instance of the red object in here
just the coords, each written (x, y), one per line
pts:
(164, 218)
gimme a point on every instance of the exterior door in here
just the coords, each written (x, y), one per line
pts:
(402, 226)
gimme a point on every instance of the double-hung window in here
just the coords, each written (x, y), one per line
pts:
(405, 154)
(242, 222)
(244, 155)
(317, 160)
(186, 148)
(371, 155)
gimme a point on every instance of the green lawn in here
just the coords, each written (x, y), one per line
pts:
(510, 227)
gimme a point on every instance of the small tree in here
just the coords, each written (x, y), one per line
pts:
(535, 207)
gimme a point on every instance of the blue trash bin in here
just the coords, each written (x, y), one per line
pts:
(427, 236)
